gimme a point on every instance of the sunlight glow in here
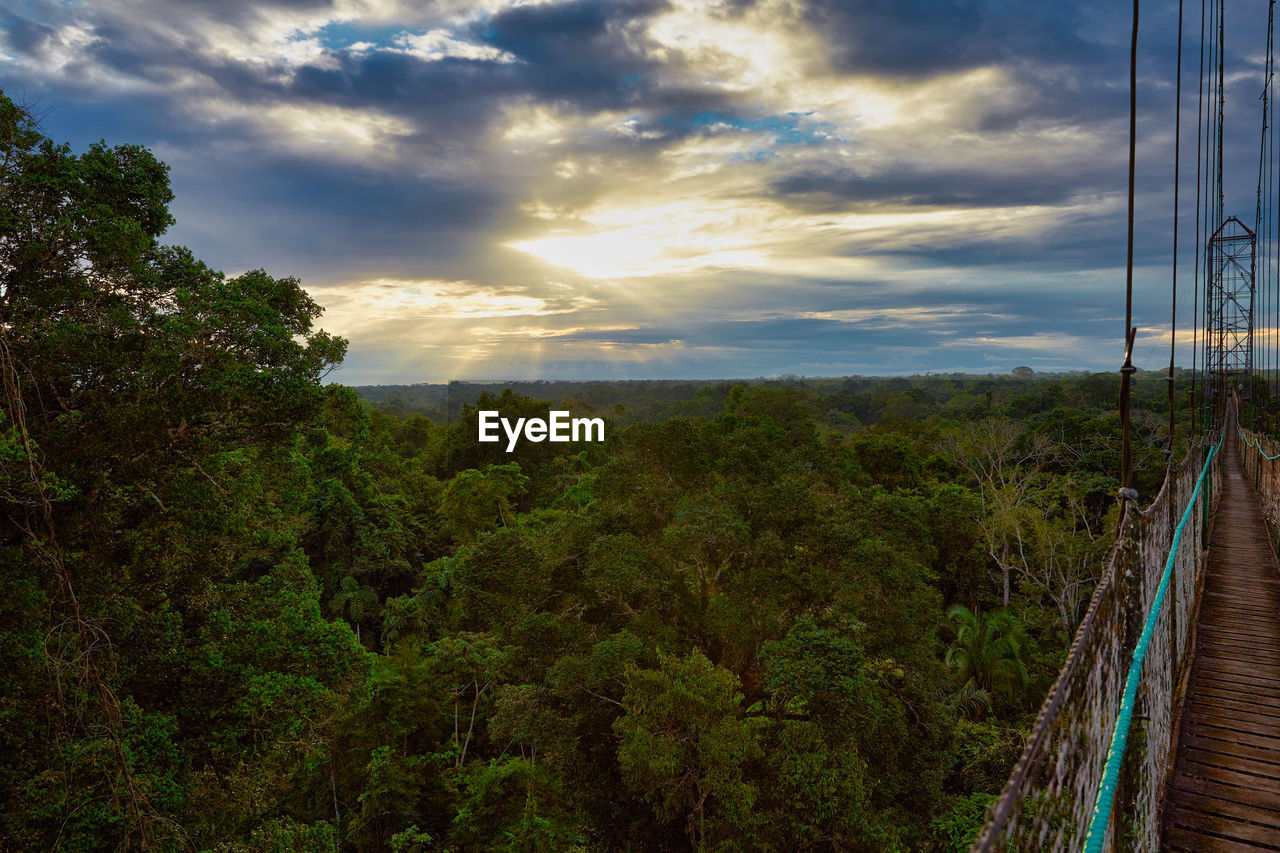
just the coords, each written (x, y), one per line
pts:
(759, 45)
(430, 299)
(630, 238)
(328, 132)
(435, 45)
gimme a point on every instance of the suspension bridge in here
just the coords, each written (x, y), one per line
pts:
(1162, 730)
(1180, 645)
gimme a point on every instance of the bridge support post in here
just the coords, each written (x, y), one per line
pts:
(1173, 597)
(1132, 598)
(1229, 317)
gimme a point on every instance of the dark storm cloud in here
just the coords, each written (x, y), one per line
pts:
(932, 185)
(326, 221)
(580, 47)
(920, 37)
(24, 34)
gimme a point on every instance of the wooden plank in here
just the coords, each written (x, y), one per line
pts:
(1194, 790)
(1232, 601)
(1218, 733)
(1261, 635)
(1215, 658)
(1190, 841)
(1257, 691)
(1247, 622)
(1266, 772)
(1212, 716)
(1224, 792)
(1260, 588)
(1223, 826)
(1239, 673)
(1212, 683)
(1229, 705)
(1255, 643)
(1233, 747)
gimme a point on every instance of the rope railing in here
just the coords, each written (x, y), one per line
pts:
(1101, 820)
(1264, 474)
(1256, 445)
(1144, 603)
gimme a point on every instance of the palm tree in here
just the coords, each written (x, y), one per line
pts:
(353, 601)
(972, 701)
(989, 650)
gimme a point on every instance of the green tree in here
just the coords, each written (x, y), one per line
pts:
(989, 650)
(515, 805)
(354, 602)
(478, 500)
(684, 744)
(150, 399)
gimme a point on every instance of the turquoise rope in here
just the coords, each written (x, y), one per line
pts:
(1257, 446)
(1120, 736)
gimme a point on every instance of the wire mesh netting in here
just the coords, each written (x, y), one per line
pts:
(1049, 799)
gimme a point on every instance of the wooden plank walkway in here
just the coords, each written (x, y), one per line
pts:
(1225, 791)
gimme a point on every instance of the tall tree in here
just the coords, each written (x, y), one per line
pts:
(134, 377)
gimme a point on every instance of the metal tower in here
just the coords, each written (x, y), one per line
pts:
(1229, 312)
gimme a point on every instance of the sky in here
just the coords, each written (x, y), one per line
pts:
(666, 188)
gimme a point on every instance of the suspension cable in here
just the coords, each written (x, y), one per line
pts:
(1259, 221)
(1195, 343)
(1127, 370)
(1269, 279)
(1269, 245)
(1173, 288)
(1222, 18)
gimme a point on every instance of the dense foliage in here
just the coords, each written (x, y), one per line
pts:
(246, 611)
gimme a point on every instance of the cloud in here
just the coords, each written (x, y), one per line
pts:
(408, 300)
(435, 45)
(675, 187)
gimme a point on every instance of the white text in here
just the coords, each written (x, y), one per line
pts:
(559, 427)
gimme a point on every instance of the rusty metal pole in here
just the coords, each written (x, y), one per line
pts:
(1127, 371)
(1177, 180)
(1132, 574)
